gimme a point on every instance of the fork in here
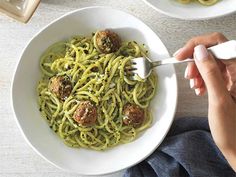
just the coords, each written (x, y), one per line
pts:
(143, 66)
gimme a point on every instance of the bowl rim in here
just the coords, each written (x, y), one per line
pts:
(186, 19)
(21, 129)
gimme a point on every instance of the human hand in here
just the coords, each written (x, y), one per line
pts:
(218, 77)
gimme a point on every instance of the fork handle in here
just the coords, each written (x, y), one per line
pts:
(223, 51)
(171, 60)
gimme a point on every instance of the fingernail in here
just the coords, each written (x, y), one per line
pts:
(177, 52)
(200, 52)
(197, 91)
(186, 73)
(192, 83)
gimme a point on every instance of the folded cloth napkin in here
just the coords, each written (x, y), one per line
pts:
(187, 151)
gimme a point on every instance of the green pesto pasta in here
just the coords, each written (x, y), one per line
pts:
(203, 2)
(101, 79)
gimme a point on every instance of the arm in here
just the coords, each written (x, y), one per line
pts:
(219, 79)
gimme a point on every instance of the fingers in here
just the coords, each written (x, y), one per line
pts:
(200, 91)
(196, 82)
(206, 40)
(198, 85)
(230, 78)
(191, 71)
(210, 73)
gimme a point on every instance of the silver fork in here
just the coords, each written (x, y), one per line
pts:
(143, 66)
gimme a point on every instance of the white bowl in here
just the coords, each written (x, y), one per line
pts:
(193, 11)
(36, 130)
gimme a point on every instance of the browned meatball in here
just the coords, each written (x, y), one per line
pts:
(60, 86)
(85, 114)
(107, 41)
(133, 115)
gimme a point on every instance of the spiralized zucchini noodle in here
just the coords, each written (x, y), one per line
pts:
(203, 2)
(101, 79)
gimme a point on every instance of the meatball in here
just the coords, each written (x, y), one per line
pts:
(133, 115)
(60, 86)
(85, 114)
(107, 41)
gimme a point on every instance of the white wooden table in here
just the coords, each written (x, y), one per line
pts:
(17, 159)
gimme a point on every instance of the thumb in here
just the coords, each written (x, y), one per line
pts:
(211, 74)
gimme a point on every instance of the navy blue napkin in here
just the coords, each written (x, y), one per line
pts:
(187, 151)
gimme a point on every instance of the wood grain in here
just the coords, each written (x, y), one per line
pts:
(17, 159)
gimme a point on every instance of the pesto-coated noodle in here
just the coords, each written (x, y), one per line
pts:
(204, 2)
(101, 79)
